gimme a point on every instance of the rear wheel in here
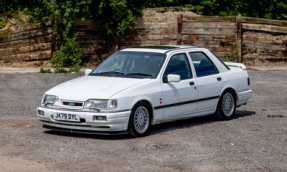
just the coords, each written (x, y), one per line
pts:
(139, 122)
(226, 106)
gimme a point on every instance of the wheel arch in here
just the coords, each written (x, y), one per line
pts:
(231, 89)
(219, 111)
(150, 106)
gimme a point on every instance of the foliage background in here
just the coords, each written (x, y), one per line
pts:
(114, 17)
(123, 13)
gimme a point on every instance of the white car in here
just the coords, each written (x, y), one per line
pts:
(139, 87)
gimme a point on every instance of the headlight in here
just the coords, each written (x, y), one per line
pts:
(50, 100)
(101, 104)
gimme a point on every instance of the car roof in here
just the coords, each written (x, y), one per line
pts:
(159, 48)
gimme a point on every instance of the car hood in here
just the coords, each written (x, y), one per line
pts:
(88, 87)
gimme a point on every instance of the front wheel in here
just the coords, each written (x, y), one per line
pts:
(226, 106)
(139, 122)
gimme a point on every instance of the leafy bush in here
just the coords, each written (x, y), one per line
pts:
(62, 13)
(2, 22)
(275, 9)
(45, 71)
(35, 15)
(69, 55)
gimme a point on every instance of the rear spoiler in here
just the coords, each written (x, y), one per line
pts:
(234, 64)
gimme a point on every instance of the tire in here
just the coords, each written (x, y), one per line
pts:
(226, 106)
(140, 119)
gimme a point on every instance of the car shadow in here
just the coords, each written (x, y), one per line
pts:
(160, 128)
(89, 136)
(189, 123)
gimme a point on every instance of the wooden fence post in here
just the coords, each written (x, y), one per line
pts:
(179, 29)
(239, 38)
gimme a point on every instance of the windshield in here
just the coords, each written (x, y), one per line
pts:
(131, 64)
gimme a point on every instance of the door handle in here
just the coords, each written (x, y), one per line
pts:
(219, 79)
(191, 83)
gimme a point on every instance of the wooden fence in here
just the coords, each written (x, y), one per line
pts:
(38, 43)
(158, 26)
(264, 40)
(242, 39)
(215, 33)
(25, 45)
(235, 38)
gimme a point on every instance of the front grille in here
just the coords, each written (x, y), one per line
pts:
(72, 104)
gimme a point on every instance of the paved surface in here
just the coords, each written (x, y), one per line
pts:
(256, 140)
(264, 68)
(13, 70)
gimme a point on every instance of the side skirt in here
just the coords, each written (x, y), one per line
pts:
(185, 116)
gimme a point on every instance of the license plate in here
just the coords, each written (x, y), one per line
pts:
(66, 117)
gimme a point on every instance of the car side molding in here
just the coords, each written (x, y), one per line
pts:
(186, 102)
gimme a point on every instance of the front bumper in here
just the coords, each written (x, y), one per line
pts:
(116, 121)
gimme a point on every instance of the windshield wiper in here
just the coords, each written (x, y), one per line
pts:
(110, 72)
(142, 74)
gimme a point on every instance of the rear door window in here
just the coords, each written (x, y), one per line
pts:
(202, 64)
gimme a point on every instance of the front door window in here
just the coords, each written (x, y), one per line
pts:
(179, 65)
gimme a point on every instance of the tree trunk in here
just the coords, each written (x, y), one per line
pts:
(115, 40)
(4, 5)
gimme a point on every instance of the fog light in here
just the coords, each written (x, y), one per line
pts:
(100, 118)
(40, 112)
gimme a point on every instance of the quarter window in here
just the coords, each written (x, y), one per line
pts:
(179, 65)
(202, 64)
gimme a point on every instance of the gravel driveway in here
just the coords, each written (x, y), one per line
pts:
(256, 140)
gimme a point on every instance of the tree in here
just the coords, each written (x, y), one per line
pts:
(275, 9)
(114, 17)
(62, 14)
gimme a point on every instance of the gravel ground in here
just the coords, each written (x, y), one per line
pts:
(256, 140)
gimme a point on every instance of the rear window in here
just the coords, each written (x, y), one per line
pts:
(221, 61)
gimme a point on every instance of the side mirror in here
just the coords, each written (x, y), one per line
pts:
(173, 78)
(88, 71)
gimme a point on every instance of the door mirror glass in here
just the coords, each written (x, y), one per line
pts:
(88, 71)
(173, 78)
